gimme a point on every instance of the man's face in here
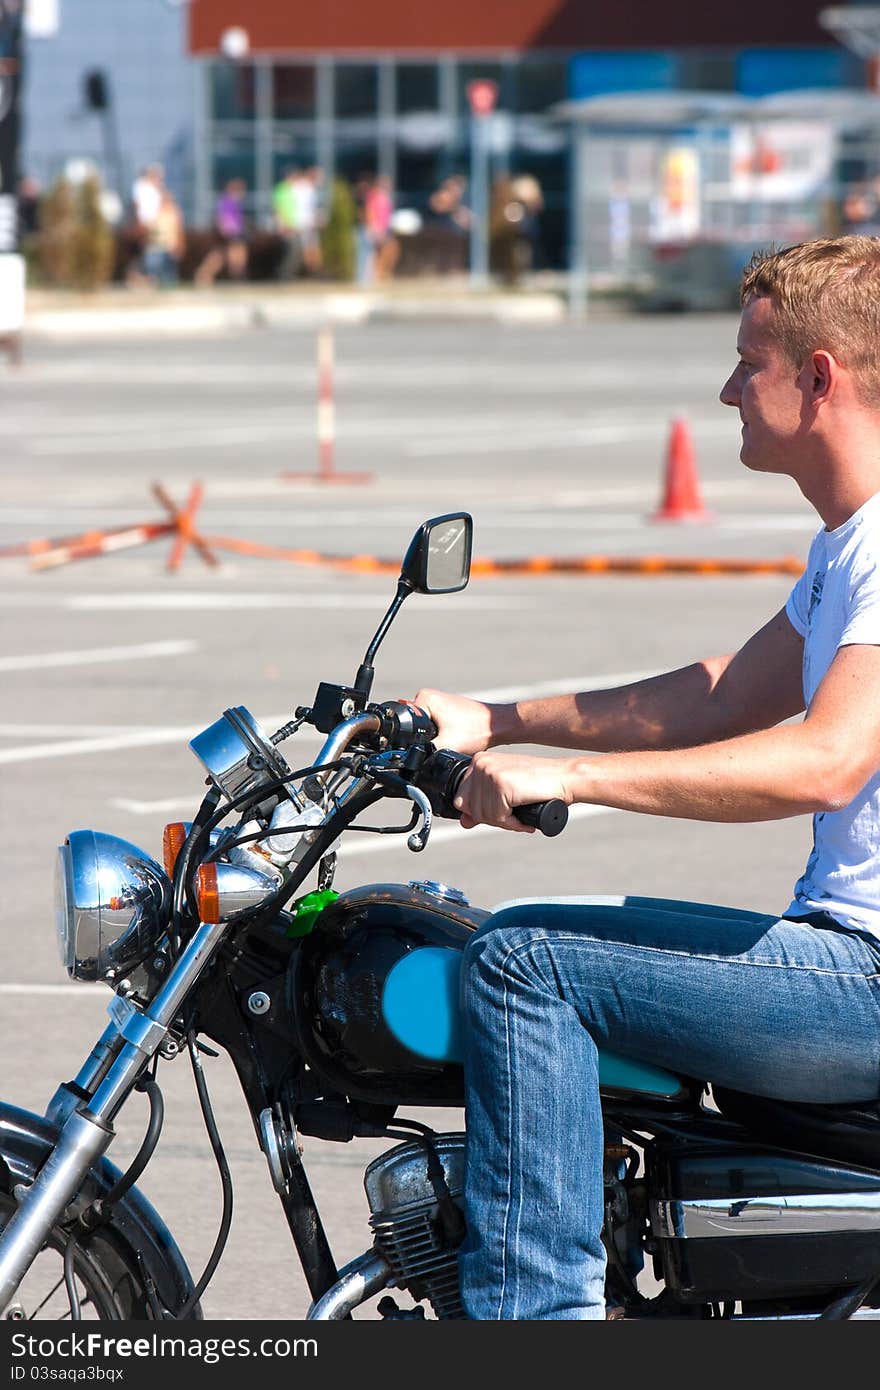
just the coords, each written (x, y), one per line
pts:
(768, 390)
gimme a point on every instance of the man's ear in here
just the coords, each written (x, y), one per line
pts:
(824, 371)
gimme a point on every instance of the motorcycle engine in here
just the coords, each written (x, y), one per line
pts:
(414, 1192)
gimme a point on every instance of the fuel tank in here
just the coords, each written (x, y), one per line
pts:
(365, 1022)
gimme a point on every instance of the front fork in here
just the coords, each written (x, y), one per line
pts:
(87, 1130)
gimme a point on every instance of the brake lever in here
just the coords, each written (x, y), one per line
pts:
(419, 838)
(377, 768)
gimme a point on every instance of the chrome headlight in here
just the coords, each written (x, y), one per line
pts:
(112, 904)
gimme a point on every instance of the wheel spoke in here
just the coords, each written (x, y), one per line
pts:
(46, 1299)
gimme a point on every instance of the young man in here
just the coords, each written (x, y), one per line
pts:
(781, 1006)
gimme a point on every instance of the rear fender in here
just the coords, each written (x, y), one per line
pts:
(25, 1142)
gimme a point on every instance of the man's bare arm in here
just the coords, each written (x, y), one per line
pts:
(818, 764)
(721, 697)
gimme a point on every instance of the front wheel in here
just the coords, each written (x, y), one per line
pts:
(109, 1286)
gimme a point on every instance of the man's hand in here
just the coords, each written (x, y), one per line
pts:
(496, 783)
(463, 724)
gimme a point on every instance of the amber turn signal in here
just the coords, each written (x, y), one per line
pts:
(173, 840)
(207, 893)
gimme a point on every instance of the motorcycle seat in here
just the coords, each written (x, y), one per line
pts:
(848, 1133)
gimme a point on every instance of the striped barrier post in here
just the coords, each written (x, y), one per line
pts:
(326, 420)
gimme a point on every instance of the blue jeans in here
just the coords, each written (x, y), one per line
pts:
(774, 1007)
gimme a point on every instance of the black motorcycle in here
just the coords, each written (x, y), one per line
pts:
(339, 1011)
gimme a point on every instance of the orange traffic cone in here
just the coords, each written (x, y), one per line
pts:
(681, 489)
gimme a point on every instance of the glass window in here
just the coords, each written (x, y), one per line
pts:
(418, 175)
(233, 91)
(232, 158)
(357, 89)
(418, 87)
(540, 82)
(294, 91)
(356, 159)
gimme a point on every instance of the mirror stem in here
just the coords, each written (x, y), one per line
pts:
(364, 678)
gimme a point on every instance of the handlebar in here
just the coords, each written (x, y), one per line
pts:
(398, 724)
(441, 773)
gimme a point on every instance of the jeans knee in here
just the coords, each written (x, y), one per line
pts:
(497, 945)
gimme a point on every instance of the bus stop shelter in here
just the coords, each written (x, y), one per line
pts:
(671, 191)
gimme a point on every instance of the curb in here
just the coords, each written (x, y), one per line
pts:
(309, 312)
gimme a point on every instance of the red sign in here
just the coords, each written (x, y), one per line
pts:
(482, 95)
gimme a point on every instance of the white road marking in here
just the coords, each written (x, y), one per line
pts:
(561, 520)
(71, 991)
(96, 655)
(68, 730)
(220, 600)
(532, 438)
(441, 832)
(556, 687)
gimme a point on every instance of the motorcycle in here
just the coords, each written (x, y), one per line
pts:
(339, 1010)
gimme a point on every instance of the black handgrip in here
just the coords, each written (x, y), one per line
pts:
(547, 816)
(443, 771)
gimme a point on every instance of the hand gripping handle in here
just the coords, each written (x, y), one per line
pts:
(444, 770)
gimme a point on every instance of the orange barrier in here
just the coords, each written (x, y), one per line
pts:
(483, 567)
(181, 524)
(47, 554)
(98, 543)
(47, 543)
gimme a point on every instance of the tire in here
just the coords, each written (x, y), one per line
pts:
(108, 1282)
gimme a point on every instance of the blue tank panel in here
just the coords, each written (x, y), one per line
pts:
(420, 1006)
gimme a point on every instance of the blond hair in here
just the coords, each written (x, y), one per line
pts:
(825, 294)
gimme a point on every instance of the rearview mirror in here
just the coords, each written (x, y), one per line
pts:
(438, 560)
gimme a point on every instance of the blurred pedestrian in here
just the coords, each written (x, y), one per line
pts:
(29, 196)
(309, 214)
(285, 209)
(166, 242)
(230, 252)
(378, 211)
(365, 252)
(860, 213)
(527, 191)
(146, 200)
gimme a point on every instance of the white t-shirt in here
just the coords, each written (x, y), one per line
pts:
(836, 603)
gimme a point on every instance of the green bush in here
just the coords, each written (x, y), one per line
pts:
(338, 244)
(76, 247)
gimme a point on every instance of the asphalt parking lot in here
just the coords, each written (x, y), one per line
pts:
(554, 437)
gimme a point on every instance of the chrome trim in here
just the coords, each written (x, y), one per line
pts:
(80, 1144)
(88, 1132)
(440, 890)
(357, 1282)
(343, 734)
(112, 904)
(237, 754)
(799, 1214)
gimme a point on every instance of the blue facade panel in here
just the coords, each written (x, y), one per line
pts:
(594, 74)
(760, 71)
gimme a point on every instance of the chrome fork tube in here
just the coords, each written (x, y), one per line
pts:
(87, 1132)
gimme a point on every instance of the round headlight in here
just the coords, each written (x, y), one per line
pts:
(112, 904)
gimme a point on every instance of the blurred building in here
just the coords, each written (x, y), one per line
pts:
(223, 88)
(383, 86)
(111, 81)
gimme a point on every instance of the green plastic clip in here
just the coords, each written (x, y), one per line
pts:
(305, 911)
